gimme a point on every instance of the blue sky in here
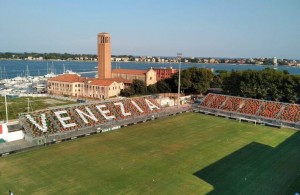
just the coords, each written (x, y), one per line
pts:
(202, 28)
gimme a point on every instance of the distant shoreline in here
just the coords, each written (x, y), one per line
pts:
(14, 68)
(144, 62)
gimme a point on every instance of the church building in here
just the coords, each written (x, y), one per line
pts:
(109, 82)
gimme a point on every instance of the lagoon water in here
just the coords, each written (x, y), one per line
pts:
(14, 68)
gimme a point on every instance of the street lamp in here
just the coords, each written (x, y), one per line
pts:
(179, 56)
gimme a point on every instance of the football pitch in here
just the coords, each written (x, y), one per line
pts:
(189, 153)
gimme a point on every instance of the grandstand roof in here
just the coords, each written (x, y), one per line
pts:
(129, 71)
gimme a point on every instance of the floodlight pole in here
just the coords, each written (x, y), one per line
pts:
(27, 105)
(6, 109)
(179, 56)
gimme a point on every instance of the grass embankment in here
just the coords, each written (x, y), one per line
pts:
(19, 105)
(183, 154)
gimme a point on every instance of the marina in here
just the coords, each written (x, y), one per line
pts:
(19, 86)
(23, 78)
(25, 84)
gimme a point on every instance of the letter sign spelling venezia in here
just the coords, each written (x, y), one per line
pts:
(63, 116)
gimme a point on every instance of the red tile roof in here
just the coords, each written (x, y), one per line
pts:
(74, 78)
(68, 78)
(101, 82)
(121, 80)
(129, 71)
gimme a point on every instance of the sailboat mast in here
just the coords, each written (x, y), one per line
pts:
(47, 68)
(27, 71)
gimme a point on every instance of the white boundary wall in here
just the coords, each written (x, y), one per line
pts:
(10, 136)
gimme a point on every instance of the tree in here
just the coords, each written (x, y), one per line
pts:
(201, 79)
(288, 87)
(163, 87)
(216, 82)
(139, 87)
(232, 82)
(127, 92)
(266, 84)
(151, 89)
(193, 80)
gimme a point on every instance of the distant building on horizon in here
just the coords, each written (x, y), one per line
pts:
(275, 61)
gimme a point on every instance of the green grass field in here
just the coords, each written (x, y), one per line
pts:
(183, 154)
(19, 105)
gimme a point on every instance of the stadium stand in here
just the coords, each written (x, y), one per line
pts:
(291, 113)
(232, 104)
(267, 112)
(65, 123)
(218, 101)
(72, 118)
(207, 100)
(35, 130)
(270, 109)
(250, 106)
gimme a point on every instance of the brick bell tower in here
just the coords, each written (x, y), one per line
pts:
(104, 56)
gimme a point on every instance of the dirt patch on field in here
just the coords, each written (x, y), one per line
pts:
(53, 101)
(173, 148)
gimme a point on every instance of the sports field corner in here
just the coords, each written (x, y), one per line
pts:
(190, 153)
